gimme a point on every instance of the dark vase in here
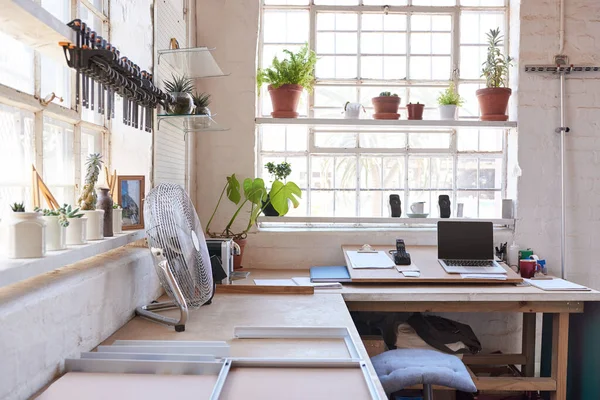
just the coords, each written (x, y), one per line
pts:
(105, 202)
(269, 210)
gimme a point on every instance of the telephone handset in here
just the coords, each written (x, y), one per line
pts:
(401, 257)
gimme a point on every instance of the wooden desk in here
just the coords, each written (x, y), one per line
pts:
(476, 298)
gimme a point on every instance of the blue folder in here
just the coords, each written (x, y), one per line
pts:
(330, 274)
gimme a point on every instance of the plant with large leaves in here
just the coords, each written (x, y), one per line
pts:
(256, 195)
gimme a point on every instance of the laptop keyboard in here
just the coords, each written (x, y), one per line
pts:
(469, 263)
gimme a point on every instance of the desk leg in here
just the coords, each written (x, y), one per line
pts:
(560, 351)
(528, 345)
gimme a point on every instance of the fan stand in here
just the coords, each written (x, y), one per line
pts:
(149, 313)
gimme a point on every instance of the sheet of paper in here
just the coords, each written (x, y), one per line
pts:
(305, 281)
(274, 282)
(378, 259)
(494, 277)
(556, 284)
(408, 268)
(411, 274)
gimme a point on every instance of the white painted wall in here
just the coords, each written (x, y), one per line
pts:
(70, 310)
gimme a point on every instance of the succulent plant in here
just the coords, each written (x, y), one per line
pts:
(201, 101)
(88, 197)
(72, 213)
(60, 213)
(179, 84)
(116, 206)
(387, 94)
(18, 207)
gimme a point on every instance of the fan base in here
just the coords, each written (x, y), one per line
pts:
(179, 328)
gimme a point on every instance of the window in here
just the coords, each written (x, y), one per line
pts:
(410, 47)
(55, 141)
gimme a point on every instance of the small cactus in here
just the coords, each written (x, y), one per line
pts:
(18, 207)
(72, 213)
(60, 213)
(387, 94)
(87, 199)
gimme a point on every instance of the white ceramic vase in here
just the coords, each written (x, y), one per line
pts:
(95, 224)
(448, 112)
(26, 235)
(76, 231)
(56, 235)
(352, 110)
(117, 220)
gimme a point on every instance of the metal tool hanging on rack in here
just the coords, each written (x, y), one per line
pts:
(97, 62)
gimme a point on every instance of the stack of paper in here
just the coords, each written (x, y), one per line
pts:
(377, 259)
(494, 277)
(556, 284)
(298, 281)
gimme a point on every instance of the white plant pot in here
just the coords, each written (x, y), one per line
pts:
(448, 112)
(95, 224)
(117, 220)
(26, 235)
(56, 235)
(76, 231)
(352, 111)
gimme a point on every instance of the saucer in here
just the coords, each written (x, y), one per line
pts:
(416, 215)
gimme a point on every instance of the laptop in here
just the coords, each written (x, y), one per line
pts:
(467, 248)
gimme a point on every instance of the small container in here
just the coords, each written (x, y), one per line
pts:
(117, 217)
(56, 235)
(76, 231)
(513, 254)
(527, 268)
(26, 235)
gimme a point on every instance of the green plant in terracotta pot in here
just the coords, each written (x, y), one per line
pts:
(386, 106)
(180, 87)
(252, 194)
(287, 79)
(493, 100)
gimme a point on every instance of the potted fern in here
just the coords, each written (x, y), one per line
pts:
(287, 79)
(180, 87)
(493, 100)
(254, 196)
(56, 228)
(449, 101)
(88, 198)
(386, 106)
(76, 230)
(26, 232)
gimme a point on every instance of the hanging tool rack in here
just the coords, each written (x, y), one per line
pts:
(102, 72)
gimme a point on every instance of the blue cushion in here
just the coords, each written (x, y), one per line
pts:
(401, 368)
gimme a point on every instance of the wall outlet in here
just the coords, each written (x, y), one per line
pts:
(561, 59)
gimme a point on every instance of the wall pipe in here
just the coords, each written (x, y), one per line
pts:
(561, 27)
(563, 131)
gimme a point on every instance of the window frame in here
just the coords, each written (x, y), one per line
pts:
(452, 151)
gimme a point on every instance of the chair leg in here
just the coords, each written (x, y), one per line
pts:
(427, 392)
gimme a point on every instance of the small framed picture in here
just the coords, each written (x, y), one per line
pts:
(130, 195)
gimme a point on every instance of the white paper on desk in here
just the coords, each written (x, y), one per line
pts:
(411, 274)
(274, 282)
(305, 281)
(556, 284)
(407, 268)
(493, 277)
(379, 259)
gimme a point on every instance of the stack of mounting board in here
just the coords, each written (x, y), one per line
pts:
(149, 370)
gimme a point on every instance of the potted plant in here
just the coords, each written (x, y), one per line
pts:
(449, 101)
(255, 195)
(352, 110)
(180, 87)
(117, 218)
(26, 232)
(493, 100)
(201, 102)
(76, 231)
(56, 228)
(386, 106)
(278, 172)
(415, 111)
(88, 198)
(287, 79)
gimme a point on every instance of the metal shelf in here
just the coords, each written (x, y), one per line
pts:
(389, 124)
(193, 62)
(333, 221)
(191, 123)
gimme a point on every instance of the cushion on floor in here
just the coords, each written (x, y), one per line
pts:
(401, 368)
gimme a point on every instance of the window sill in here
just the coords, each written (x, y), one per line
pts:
(16, 270)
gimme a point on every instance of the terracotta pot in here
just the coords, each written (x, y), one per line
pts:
(237, 260)
(285, 100)
(415, 111)
(386, 107)
(493, 103)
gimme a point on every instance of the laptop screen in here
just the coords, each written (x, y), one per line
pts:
(465, 240)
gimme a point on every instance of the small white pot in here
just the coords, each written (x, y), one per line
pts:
(352, 111)
(95, 224)
(56, 235)
(76, 231)
(448, 112)
(117, 217)
(26, 235)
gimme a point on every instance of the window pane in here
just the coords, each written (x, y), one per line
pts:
(419, 172)
(287, 2)
(382, 140)
(59, 171)
(490, 173)
(345, 204)
(466, 174)
(490, 204)
(382, 22)
(321, 204)
(345, 173)
(56, 77)
(434, 2)
(335, 139)
(299, 173)
(423, 140)
(475, 25)
(91, 142)
(17, 154)
(16, 64)
(272, 137)
(285, 26)
(61, 9)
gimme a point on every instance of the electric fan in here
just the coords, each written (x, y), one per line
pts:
(177, 242)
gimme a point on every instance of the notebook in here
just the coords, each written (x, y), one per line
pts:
(330, 274)
(298, 281)
(556, 284)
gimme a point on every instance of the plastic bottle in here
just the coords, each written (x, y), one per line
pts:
(513, 254)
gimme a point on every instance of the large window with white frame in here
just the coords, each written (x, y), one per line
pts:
(56, 140)
(410, 47)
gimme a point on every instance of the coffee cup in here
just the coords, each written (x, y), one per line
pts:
(527, 268)
(418, 207)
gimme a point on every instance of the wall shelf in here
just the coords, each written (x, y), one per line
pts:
(16, 270)
(191, 123)
(193, 62)
(389, 124)
(266, 222)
